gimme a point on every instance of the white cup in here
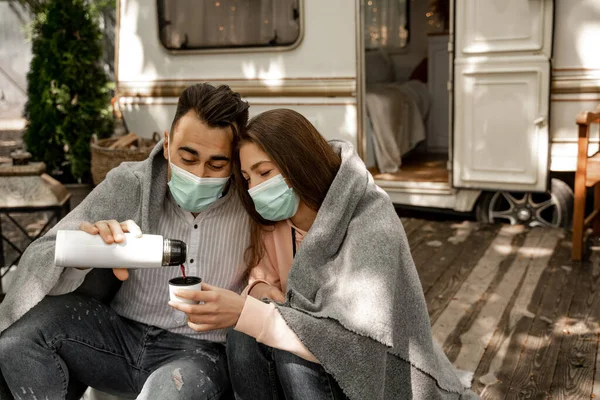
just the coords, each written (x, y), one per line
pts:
(180, 283)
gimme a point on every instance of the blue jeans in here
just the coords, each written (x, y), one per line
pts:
(69, 342)
(261, 372)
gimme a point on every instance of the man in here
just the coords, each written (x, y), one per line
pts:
(58, 336)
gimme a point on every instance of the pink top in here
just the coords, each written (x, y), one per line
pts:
(261, 320)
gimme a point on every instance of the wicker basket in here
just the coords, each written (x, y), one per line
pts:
(105, 159)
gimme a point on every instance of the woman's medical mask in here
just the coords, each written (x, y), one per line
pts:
(274, 200)
(192, 193)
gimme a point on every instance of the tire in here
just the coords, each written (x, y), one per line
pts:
(553, 208)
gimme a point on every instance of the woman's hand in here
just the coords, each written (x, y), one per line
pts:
(262, 290)
(112, 231)
(221, 308)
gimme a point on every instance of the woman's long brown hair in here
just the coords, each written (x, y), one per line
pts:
(303, 156)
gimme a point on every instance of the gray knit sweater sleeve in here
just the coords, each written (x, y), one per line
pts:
(117, 197)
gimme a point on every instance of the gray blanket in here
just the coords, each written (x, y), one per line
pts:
(355, 300)
(132, 191)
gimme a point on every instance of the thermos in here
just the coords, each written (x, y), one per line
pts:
(82, 250)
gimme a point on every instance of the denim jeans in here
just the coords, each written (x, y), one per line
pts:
(260, 372)
(69, 342)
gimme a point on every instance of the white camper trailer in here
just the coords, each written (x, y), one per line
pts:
(456, 104)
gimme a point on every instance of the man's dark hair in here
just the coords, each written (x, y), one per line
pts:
(217, 107)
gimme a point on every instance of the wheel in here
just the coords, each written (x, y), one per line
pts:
(552, 208)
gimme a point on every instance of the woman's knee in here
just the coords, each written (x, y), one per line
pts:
(241, 348)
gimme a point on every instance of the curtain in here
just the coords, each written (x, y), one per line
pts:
(386, 23)
(195, 24)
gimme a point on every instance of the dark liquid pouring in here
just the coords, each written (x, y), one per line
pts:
(182, 268)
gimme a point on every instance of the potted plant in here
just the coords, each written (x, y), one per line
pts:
(68, 89)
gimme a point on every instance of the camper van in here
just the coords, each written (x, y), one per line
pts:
(464, 105)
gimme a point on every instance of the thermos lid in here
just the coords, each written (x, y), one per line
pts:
(174, 252)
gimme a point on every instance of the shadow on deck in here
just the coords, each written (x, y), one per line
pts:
(509, 305)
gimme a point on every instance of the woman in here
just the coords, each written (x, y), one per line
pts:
(329, 248)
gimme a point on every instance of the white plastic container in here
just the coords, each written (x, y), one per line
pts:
(82, 250)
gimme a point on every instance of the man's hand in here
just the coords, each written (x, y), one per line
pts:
(262, 290)
(111, 232)
(221, 308)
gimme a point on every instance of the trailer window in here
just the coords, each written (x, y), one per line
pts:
(386, 23)
(214, 24)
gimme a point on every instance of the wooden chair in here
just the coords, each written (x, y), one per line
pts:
(587, 175)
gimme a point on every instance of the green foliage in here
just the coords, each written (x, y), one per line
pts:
(68, 90)
(97, 7)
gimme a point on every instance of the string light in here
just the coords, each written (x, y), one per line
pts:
(232, 8)
(438, 13)
(266, 21)
(218, 4)
(221, 27)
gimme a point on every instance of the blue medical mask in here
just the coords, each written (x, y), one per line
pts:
(192, 193)
(274, 200)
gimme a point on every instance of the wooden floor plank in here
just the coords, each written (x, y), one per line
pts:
(475, 340)
(499, 305)
(474, 287)
(533, 374)
(443, 257)
(596, 386)
(410, 225)
(458, 268)
(454, 344)
(434, 253)
(498, 363)
(574, 374)
(421, 234)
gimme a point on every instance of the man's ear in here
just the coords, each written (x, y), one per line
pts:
(166, 145)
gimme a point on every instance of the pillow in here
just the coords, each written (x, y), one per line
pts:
(379, 68)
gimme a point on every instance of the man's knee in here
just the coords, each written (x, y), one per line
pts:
(38, 326)
(186, 380)
(9, 346)
(19, 337)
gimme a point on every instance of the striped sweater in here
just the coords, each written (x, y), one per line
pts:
(137, 191)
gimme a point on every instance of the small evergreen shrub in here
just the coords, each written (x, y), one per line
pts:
(68, 90)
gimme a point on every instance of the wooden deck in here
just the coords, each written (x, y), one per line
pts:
(509, 305)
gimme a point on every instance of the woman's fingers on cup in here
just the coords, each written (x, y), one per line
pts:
(122, 274)
(185, 307)
(195, 295)
(206, 287)
(131, 227)
(89, 228)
